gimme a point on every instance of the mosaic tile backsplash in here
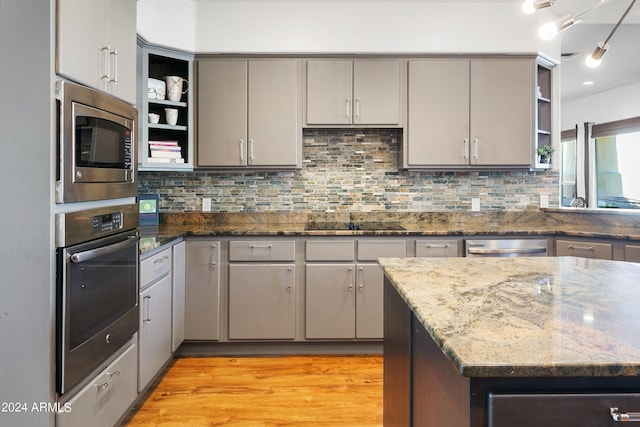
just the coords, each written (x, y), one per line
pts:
(350, 170)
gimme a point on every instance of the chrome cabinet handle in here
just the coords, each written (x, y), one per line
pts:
(466, 149)
(361, 285)
(148, 318)
(434, 246)
(114, 60)
(212, 261)
(357, 108)
(350, 286)
(289, 285)
(260, 246)
(241, 150)
(475, 149)
(113, 374)
(105, 50)
(624, 416)
(581, 248)
(348, 109)
(251, 156)
(102, 385)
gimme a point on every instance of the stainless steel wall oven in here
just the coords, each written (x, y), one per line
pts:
(96, 145)
(96, 288)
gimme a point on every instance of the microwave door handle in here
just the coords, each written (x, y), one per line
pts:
(94, 253)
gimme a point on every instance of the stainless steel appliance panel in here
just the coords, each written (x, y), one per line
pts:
(506, 247)
(96, 145)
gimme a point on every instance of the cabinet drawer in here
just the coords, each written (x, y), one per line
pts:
(542, 410)
(372, 250)
(106, 398)
(584, 249)
(330, 250)
(632, 253)
(437, 248)
(262, 250)
(154, 267)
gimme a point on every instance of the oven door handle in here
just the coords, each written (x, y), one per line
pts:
(94, 253)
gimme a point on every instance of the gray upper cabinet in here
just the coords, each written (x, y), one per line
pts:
(463, 113)
(359, 92)
(96, 45)
(249, 113)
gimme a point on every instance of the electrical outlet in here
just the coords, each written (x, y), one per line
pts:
(544, 200)
(475, 204)
(206, 204)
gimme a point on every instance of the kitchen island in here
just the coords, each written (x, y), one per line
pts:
(510, 341)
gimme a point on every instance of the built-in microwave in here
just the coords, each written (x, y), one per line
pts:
(96, 145)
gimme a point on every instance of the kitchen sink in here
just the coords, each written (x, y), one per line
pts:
(365, 226)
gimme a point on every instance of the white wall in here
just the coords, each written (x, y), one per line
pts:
(341, 27)
(169, 23)
(615, 104)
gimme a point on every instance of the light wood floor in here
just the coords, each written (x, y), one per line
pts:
(267, 391)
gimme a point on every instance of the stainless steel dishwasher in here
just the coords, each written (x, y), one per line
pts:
(506, 247)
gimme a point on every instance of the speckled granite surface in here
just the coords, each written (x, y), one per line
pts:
(414, 223)
(526, 317)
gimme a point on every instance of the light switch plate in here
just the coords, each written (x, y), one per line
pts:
(475, 204)
(206, 204)
(544, 200)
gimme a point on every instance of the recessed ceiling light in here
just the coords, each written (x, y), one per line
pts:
(587, 83)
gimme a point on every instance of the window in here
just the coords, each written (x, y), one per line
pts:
(568, 174)
(617, 169)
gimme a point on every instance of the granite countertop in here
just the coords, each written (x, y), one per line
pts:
(526, 317)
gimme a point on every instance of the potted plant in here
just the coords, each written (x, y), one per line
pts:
(544, 151)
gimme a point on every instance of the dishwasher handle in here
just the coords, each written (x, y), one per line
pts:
(502, 251)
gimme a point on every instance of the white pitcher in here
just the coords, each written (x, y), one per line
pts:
(175, 86)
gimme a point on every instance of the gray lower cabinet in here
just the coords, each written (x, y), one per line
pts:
(632, 253)
(178, 276)
(262, 301)
(438, 248)
(104, 399)
(155, 330)
(202, 290)
(584, 249)
(369, 301)
(344, 300)
(330, 310)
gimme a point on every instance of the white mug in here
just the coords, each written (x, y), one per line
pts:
(174, 87)
(171, 115)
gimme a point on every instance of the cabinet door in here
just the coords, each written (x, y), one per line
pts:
(438, 113)
(376, 92)
(80, 37)
(178, 295)
(262, 301)
(202, 290)
(222, 113)
(369, 301)
(155, 330)
(274, 130)
(632, 253)
(329, 92)
(330, 301)
(121, 36)
(106, 398)
(584, 249)
(502, 112)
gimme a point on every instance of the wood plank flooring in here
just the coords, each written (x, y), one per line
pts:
(267, 391)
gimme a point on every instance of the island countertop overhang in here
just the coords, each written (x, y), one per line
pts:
(526, 317)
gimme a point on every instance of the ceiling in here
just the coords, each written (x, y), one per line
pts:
(620, 66)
